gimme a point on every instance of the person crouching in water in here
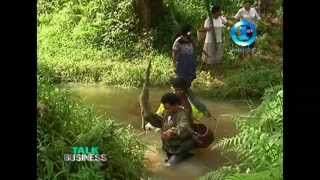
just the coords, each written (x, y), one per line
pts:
(176, 129)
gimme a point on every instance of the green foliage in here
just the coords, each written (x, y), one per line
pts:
(66, 122)
(109, 72)
(253, 78)
(89, 24)
(259, 144)
(233, 173)
(270, 174)
(48, 7)
(190, 11)
(227, 5)
(220, 174)
(98, 41)
(250, 80)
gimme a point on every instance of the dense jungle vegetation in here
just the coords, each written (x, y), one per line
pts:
(103, 42)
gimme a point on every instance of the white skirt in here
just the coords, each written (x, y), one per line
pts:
(215, 55)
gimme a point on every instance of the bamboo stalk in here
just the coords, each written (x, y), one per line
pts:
(207, 4)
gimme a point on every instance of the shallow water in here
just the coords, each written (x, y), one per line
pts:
(122, 104)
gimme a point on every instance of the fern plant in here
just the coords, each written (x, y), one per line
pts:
(258, 146)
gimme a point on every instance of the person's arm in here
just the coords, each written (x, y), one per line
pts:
(174, 58)
(225, 22)
(175, 50)
(197, 103)
(256, 14)
(207, 25)
(183, 129)
(223, 19)
(238, 15)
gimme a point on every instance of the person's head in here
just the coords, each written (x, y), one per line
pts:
(186, 30)
(171, 102)
(179, 85)
(216, 11)
(247, 4)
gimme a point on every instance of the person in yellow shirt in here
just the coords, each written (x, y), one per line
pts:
(195, 109)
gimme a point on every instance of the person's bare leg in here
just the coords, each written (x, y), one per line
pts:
(183, 152)
(215, 70)
(211, 70)
(219, 71)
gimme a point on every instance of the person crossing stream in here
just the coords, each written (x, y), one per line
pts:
(179, 134)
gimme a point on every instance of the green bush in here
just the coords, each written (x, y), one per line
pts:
(89, 24)
(106, 72)
(63, 121)
(232, 173)
(250, 80)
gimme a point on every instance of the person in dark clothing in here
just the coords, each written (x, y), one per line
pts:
(184, 56)
(176, 129)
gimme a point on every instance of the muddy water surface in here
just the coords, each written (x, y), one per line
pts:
(122, 104)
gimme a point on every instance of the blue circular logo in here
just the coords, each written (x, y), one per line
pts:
(243, 33)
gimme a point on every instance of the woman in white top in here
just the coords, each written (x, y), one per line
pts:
(214, 56)
(248, 13)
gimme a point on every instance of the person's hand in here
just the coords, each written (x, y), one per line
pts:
(205, 53)
(196, 137)
(208, 114)
(169, 133)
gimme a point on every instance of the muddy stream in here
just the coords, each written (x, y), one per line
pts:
(122, 104)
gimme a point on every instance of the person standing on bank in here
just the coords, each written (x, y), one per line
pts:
(184, 55)
(250, 14)
(214, 57)
(247, 12)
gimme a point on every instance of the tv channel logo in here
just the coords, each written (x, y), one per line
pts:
(85, 153)
(243, 33)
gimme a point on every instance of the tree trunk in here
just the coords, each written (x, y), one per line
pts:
(266, 7)
(149, 12)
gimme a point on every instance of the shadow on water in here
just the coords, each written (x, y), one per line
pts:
(122, 104)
